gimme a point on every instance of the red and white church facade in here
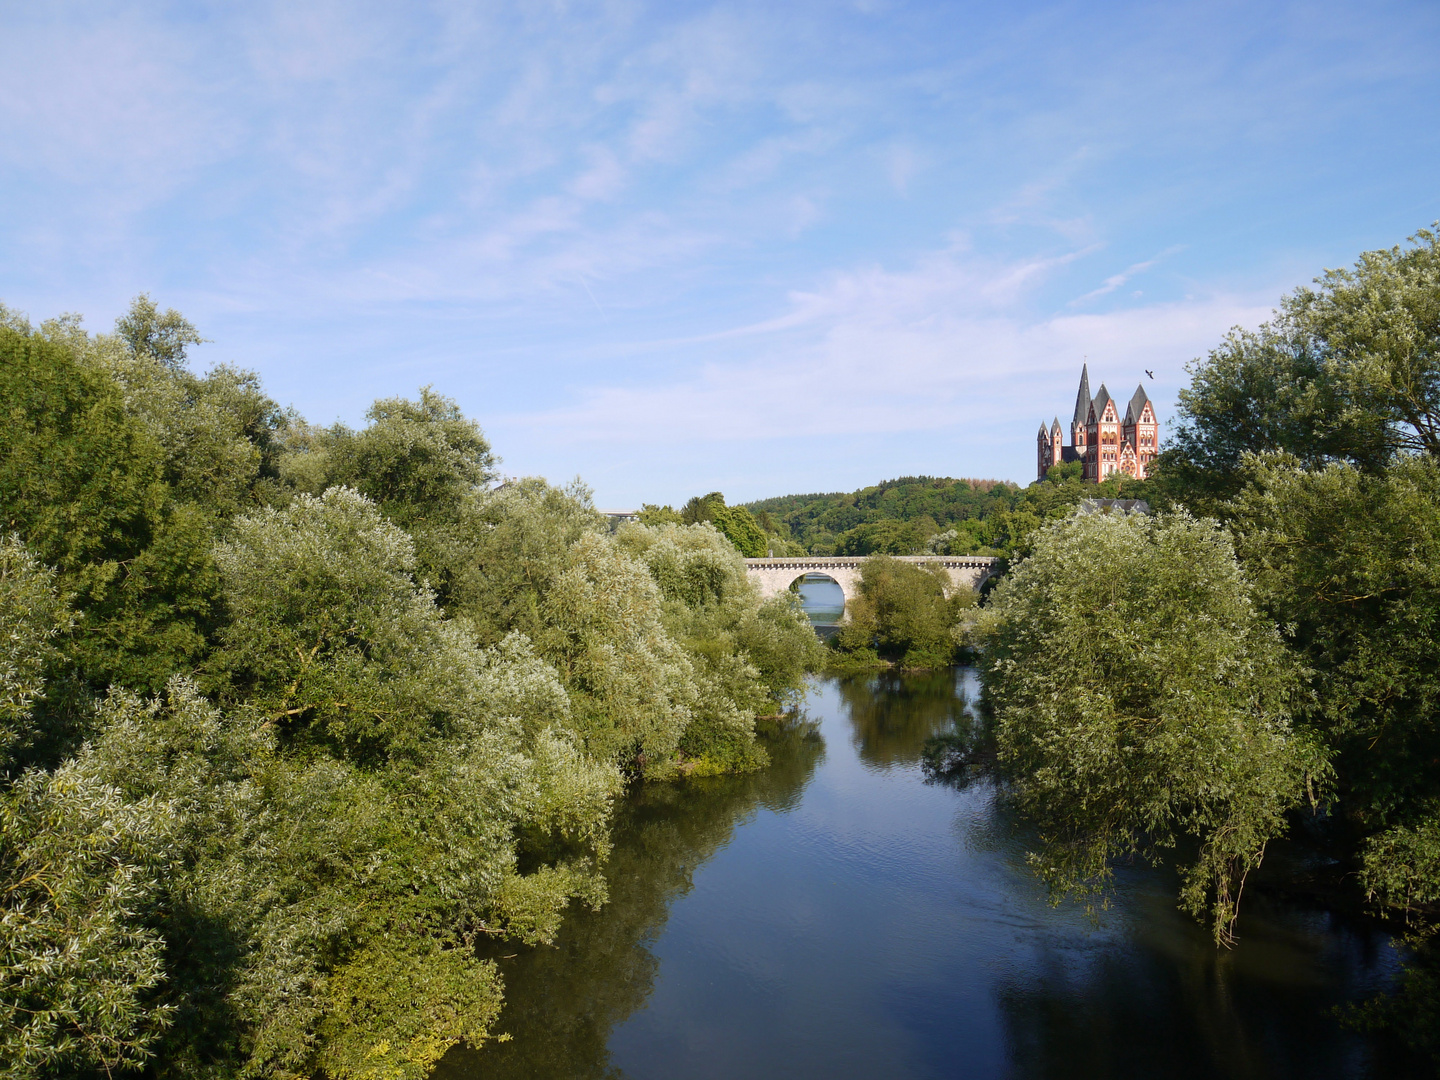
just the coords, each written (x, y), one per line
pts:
(1102, 440)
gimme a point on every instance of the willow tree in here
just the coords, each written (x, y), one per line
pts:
(79, 967)
(748, 656)
(1141, 698)
(393, 793)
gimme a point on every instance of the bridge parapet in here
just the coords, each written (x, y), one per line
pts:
(774, 576)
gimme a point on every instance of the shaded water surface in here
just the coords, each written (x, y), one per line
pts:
(836, 916)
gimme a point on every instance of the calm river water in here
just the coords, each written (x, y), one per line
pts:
(836, 916)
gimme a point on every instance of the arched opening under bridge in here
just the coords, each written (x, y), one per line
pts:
(822, 596)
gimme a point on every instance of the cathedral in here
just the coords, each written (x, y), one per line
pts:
(1100, 439)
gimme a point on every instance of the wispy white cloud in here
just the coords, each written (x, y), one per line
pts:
(942, 345)
(1114, 281)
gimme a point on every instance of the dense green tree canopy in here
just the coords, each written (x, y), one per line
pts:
(903, 613)
(1348, 370)
(1349, 563)
(1141, 697)
(734, 522)
(82, 481)
(366, 711)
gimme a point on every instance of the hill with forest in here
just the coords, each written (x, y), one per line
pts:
(915, 515)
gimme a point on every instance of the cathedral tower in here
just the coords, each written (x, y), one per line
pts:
(1101, 439)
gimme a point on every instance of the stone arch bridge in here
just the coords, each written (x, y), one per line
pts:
(774, 576)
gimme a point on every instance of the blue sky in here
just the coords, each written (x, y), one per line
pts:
(755, 247)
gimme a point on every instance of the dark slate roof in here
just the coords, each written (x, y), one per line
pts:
(1137, 404)
(1082, 399)
(1055, 424)
(1101, 400)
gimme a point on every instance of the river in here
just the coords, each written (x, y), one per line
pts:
(837, 916)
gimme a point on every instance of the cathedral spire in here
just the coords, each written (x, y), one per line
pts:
(1082, 399)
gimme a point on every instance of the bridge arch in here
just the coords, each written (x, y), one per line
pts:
(775, 576)
(843, 585)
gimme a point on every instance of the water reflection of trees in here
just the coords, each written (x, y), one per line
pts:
(893, 714)
(562, 1002)
(1173, 1005)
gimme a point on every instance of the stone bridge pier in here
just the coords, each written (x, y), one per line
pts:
(774, 576)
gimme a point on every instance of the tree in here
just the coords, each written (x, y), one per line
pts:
(419, 460)
(354, 819)
(160, 338)
(888, 537)
(1315, 437)
(658, 634)
(82, 481)
(1346, 561)
(735, 522)
(1346, 371)
(632, 686)
(1376, 329)
(650, 514)
(32, 616)
(1141, 697)
(1349, 563)
(79, 968)
(748, 656)
(422, 462)
(904, 613)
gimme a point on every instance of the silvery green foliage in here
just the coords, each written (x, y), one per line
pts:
(1140, 697)
(707, 598)
(330, 637)
(945, 543)
(356, 810)
(633, 687)
(285, 874)
(31, 615)
(658, 635)
(79, 968)
(709, 595)
(540, 564)
(513, 544)
(513, 681)
(749, 656)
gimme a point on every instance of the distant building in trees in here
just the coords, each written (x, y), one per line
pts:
(1101, 439)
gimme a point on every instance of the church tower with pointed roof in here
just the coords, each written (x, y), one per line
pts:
(1103, 440)
(1082, 408)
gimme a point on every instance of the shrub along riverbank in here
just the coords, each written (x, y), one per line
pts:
(292, 717)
